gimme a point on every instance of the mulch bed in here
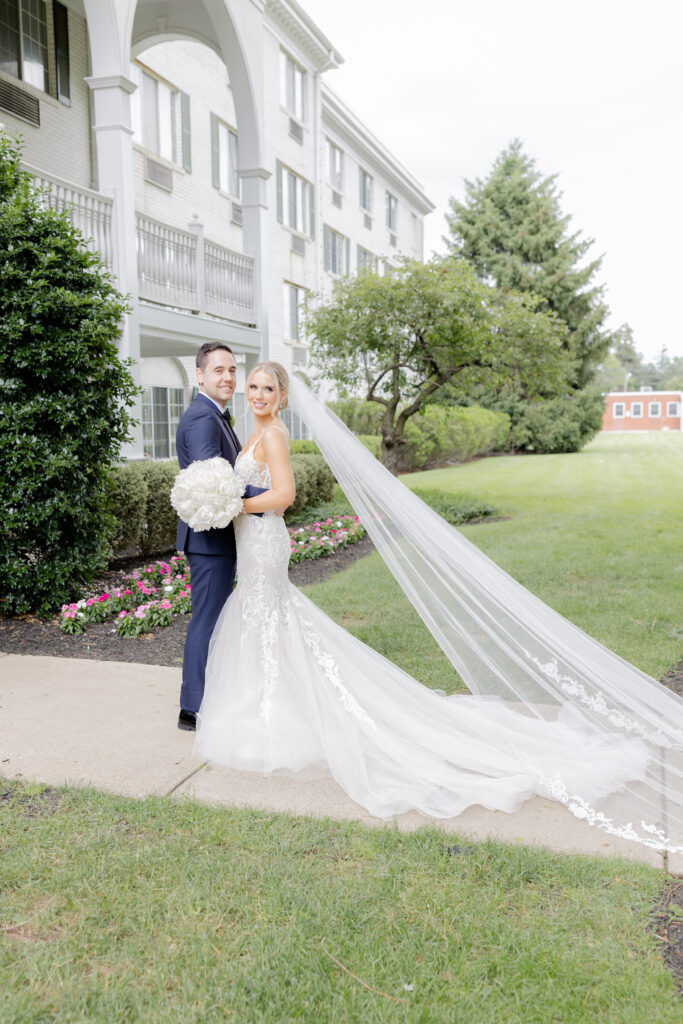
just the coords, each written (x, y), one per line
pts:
(30, 635)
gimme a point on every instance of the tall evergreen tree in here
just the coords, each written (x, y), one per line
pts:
(64, 400)
(512, 230)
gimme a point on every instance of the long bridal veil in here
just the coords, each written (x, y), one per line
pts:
(505, 642)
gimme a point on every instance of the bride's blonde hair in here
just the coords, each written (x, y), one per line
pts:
(279, 375)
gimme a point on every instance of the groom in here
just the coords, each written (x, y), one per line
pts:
(204, 432)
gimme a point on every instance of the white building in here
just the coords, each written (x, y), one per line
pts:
(197, 144)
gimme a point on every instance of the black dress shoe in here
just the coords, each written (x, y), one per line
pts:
(187, 720)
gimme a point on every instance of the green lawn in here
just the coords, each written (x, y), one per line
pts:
(115, 910)
(598, 535)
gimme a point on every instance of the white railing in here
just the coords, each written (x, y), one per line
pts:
(89, 211)
(180, 268)
(167, 264)
(228, 283)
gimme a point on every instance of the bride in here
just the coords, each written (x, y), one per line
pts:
(551, 711)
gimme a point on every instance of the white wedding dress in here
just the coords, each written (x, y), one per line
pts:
(287, 689)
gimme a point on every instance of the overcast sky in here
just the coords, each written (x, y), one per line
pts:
(592, 87)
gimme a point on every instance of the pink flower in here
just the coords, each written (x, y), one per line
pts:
(141, 612)
(91, 600)
(122, 615)
(103, 597)
(165, 604)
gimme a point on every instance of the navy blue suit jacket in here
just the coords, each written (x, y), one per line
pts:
(203, 434)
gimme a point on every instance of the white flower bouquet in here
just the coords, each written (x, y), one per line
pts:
(208, 494)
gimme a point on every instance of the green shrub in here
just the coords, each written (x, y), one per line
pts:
(140, 500)
(161, 521)
(127, 504)
(455, 508)
(359, 416)
(304, 448)
(452, 434)
(64, 400)
(314, 483)
(373, 443)
(559, 424)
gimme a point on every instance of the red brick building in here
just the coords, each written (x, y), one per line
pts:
(643, 410)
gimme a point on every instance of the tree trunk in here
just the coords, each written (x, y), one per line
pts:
(393, 442)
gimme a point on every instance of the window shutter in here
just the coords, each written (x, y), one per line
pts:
(278, 176)
(348, 256)
(326, 246)
(311, 210)
(215, 153)
(60, 19)
(185, 132)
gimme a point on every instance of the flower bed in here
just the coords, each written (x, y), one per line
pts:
(150, 597)
(320, 539)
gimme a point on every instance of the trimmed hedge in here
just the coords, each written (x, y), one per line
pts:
(314, 483)
(452, 434)
(303, 448)
(145, 522)
(455, 508)
(127, 501)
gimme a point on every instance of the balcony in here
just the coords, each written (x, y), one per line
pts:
(89, 211)
(183, 270)
(177, 269)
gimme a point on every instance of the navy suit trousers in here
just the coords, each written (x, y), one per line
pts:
(211, 578)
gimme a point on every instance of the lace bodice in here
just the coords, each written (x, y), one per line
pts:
(250, 470)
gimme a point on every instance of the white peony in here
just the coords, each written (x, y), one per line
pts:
(208, 494)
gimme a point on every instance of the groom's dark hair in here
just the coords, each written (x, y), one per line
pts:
(204, 350)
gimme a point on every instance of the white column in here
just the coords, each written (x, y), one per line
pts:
(114, 150)
(255, 243)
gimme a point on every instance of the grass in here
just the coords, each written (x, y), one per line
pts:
(596, 535)
(116, 910)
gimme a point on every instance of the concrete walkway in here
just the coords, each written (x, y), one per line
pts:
(113, 726)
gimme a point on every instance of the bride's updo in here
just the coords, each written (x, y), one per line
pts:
(279, 375)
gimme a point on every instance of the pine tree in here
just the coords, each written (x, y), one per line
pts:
(512, 230)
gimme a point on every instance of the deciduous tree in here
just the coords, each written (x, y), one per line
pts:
(398, 339)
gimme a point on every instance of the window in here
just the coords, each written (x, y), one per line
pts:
(365, 188)
(366, 260)
(23, 41)
(153, 114)
(294, 302)
(672, 409)
(224, 157)
(295, 426)
(637, 410)
(654, 410)
(60, 20)
(291, 86)
(336, 252)
(294, 201)
(335, 166)
(161, 412)
(392, 211)
(619, 410)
